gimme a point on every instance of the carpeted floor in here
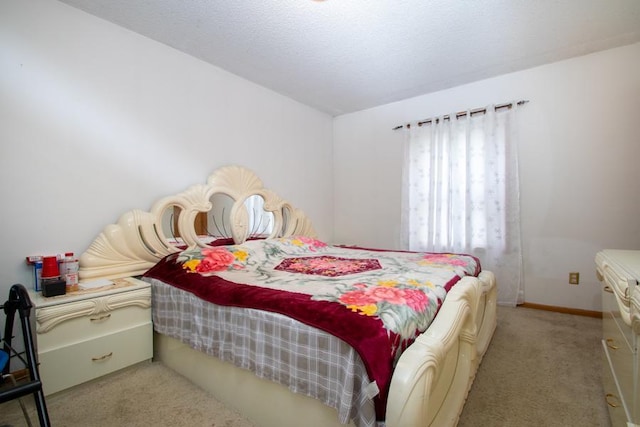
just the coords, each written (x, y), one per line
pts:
(147, 394)
(541, 369)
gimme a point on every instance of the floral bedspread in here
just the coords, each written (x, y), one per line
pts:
(377, 301)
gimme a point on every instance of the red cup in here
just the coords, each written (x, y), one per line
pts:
(50, 267)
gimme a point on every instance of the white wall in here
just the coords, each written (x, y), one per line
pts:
(96, 120)
(579, 164)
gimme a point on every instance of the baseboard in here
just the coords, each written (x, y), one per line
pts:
(566, 310)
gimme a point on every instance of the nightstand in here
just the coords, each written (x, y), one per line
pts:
(89, 333)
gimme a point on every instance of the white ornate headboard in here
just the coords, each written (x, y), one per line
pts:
(233, 203)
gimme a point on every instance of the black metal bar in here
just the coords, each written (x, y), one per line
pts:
(19, 391)
(19, 301)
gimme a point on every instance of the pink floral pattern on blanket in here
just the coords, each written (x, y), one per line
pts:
(211, 260)
(327, 265)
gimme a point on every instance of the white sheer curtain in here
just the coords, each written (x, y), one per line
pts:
(461, 192)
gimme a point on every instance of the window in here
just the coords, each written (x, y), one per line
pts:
(461, 191)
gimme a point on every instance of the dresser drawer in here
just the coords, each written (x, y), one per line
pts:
(621, 364)
(620, 356)
(617, 412)
(612, 321)
(619, 286)
(63, 367)
(66, 324)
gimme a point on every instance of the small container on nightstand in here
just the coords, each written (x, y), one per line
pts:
(53, 287)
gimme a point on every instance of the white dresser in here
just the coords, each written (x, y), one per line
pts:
(86, 334)
(619, 270)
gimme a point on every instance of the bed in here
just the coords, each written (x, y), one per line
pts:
(251, 305)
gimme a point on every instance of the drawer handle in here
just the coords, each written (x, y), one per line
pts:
(101, 318)
(611, 345)
(608, 289)
(98, 359)
(608, 398)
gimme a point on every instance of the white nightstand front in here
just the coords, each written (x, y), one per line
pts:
(86, 334)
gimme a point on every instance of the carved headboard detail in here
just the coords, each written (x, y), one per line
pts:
(235, 200)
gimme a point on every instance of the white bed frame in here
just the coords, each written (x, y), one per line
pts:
(431, 380)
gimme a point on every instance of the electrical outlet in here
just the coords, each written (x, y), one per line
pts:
(574, 278)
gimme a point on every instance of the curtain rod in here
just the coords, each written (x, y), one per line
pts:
(464, 113)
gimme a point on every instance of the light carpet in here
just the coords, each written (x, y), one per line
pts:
(541, 369)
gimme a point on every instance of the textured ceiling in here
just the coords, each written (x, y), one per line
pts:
(341, 56)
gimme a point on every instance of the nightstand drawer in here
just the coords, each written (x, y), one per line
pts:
(86, 327)
(67, 366)
(66, 324)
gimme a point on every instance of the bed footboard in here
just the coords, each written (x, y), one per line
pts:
(432, 378)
